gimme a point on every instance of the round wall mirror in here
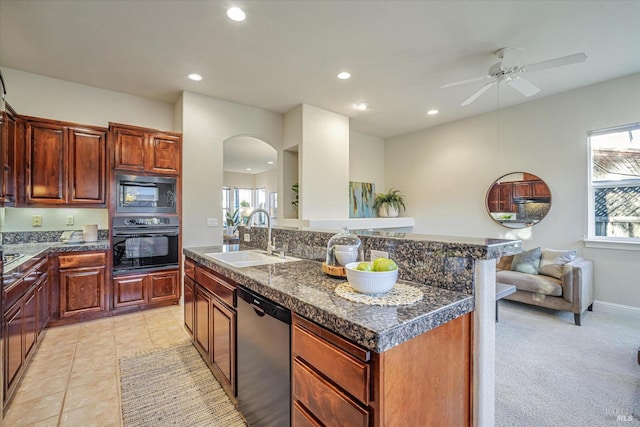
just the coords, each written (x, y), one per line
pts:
(518, 200)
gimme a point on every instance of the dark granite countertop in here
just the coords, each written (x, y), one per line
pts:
(33, 251)
(302, 287)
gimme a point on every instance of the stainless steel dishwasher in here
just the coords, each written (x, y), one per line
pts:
(264, 366)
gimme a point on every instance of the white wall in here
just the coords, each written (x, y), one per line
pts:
(446, 171)
(206, 123)
(366, 160)
(324, 165)
(40, 96)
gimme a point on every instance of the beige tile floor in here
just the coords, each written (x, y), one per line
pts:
(73, 379)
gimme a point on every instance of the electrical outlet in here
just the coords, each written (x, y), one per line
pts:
(247, 237)
(36, 220)
(212, 222)
(69, 219)
(378, 254)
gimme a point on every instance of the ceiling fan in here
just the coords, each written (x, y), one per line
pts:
(509, 70)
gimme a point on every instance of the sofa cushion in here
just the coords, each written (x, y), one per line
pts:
(527, 262)
(552, 262)
(535, 283)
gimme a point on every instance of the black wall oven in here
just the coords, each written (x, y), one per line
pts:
(146, 194)
(145, 243)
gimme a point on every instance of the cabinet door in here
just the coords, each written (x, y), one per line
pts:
(87, 174)
(45, 163)
(522, 189)
(202, 321)
(8, 135)
(164, 154)
(43, 303)
(129, 149)
(163, 286)
(540, 189)
(224, 338)
(506, 200)
(13, 346)
(81, 291)
(30, 321)
(129, 290)
(189, 304)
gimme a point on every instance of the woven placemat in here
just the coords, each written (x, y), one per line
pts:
(400, 294)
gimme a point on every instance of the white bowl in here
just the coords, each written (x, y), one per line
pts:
(370, 282)
(345, 258)
(345, 248)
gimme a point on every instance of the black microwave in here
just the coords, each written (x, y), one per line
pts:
(145, 194)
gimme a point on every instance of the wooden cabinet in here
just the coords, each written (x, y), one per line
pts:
(336, 382)
(64, 164)
(540, 188)
(500, 198)
(145, 150)
(144, 289)
(22, 324)
(210, 313)
(82, 283)
(8, 141)
(535, 189)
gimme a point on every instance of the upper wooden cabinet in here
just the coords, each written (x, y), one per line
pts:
(65, 164)
(145, 150)
(8, 138)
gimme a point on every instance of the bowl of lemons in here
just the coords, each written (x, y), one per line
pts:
(372, 277)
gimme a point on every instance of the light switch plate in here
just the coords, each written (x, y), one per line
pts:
(378, 254)
(247, 237)
(36, 220)
(212, 222)
(69, 219)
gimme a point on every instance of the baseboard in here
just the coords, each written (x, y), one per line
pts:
(616, 309)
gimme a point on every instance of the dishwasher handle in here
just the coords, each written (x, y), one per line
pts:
(262, 306)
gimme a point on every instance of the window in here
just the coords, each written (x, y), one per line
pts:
(226, 202)
(614, 196)
(244, 200)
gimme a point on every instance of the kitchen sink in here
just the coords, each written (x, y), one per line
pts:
(251, 258)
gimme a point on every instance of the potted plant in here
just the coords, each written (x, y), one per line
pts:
(233, 220)
(388, 204)
(295, 188)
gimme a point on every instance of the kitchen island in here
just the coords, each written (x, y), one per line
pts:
(356, 364)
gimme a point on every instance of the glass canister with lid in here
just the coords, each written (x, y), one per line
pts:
(342, 248)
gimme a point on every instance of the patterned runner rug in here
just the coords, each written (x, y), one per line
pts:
(173, 387)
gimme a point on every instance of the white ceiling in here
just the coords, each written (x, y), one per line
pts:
(246, 154)
(289, 52)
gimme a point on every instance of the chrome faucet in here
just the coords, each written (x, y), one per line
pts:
(270, 247)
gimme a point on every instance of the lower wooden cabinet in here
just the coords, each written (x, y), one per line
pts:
(82, 283)
(425, 381)
(149, 288)
(24, 319)
(210, 315)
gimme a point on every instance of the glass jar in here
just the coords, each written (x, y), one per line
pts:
(344, 248)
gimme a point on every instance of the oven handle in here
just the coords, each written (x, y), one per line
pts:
(146, 231)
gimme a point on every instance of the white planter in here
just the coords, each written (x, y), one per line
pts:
(387, 211)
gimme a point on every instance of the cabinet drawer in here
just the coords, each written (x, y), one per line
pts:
(220, 288)
(328, 404)
(346, 371)
(83, 260)
(13, 293)
(190, 269)
(302, 418)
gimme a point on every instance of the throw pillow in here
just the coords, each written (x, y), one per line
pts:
(526, 262)
(552, 262)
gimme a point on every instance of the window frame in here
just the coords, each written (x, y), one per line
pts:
(605, 242)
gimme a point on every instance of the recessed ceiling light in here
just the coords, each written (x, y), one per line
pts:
(432, 112)
(236, 14)
(195, 77)
(344, 75)
(361, 106)
(270, 162)
(248, 169)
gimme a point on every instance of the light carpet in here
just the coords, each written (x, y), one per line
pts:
(173, 387)
(550, 372)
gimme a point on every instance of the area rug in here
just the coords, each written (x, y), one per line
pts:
(173, 387)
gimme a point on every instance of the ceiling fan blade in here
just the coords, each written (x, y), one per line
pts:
(523, 86)
(462, 82)
(557, 62)
(510, 57)
(480, 91)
